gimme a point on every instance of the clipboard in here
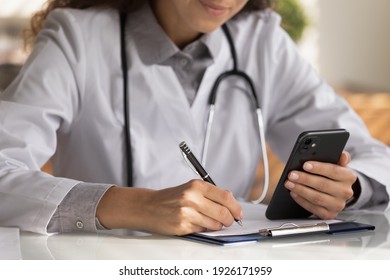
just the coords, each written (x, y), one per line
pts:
(283, 231)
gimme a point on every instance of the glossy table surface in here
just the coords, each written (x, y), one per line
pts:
(121, 244)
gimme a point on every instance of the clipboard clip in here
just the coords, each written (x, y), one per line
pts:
(291, 229)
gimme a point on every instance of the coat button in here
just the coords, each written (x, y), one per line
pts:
(79, 224)
(183, 62)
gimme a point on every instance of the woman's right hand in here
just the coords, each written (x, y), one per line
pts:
(192, 207)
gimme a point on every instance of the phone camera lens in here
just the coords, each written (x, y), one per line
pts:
(308, 141)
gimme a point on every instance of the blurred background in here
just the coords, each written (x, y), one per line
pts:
(14, 16)
(346, 41)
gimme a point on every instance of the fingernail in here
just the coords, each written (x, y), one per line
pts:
(241, 215)
(308, 166)
(289, 185)
(293, 176)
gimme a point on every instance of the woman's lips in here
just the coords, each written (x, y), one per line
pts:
(213, 9)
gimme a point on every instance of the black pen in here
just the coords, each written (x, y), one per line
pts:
(198, 167)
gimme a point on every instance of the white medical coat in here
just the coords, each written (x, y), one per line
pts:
(67, 104)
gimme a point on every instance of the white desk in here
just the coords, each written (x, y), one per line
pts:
(120, 245)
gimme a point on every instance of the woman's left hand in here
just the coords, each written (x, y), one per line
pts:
(324, 188)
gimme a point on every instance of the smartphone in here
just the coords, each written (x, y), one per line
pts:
(315, 145)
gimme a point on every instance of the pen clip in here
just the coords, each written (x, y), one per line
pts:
(188, 162)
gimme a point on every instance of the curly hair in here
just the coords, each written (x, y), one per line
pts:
(38, 19)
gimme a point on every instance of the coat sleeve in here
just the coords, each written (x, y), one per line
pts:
(43, 101)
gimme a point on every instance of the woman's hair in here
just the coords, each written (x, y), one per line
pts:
(37, 20)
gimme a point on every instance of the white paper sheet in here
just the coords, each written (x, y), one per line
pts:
(10, 244)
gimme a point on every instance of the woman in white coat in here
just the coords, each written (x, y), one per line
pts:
(67, 105)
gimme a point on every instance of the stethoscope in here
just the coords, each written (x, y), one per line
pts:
(211, 102)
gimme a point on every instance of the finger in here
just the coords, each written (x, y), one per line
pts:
(211, 201)
(177, 211)
(319, 211)
(316, 198)
(330, 170)
(216, 212)
(205, 222)
(224, 201)
(211, 217)
(186, 220)
(322, 184)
